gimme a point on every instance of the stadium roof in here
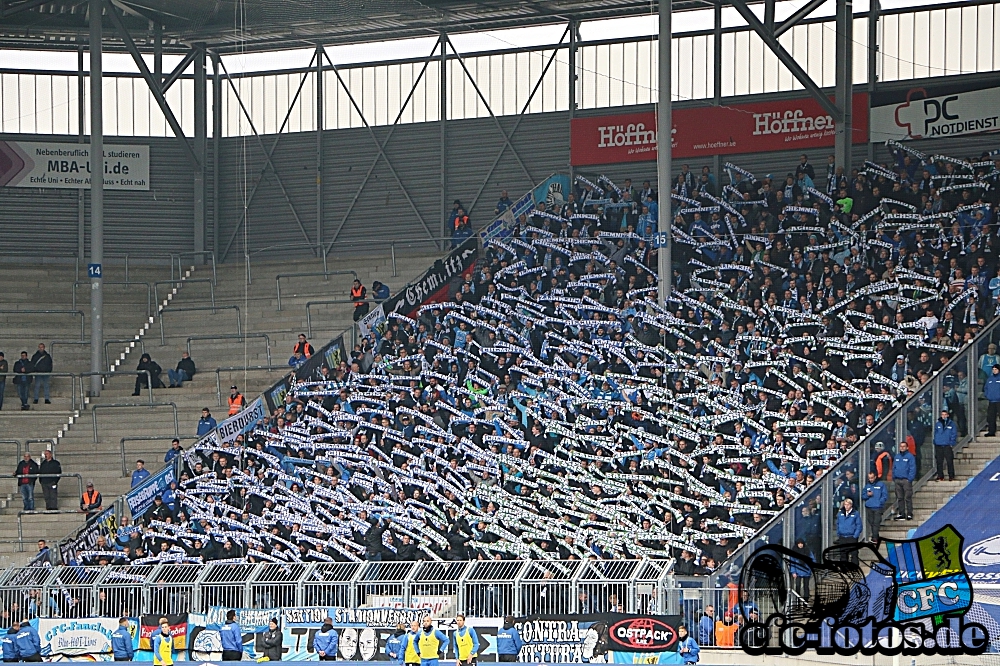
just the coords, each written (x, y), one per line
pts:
(278, 24)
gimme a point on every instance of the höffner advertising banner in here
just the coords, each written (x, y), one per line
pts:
(67, 165)
(795, 124)
(930, 113)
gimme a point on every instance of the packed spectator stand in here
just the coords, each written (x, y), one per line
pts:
(552, 409)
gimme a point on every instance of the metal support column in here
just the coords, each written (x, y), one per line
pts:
(874, 9)
(200, 143)
(216, 144)
(574, 28)
(717, 83)
(844, 83)
(444, 135)
(320, 100)
(158, 53)
(664, 125)
(81, 194)
(96, 195)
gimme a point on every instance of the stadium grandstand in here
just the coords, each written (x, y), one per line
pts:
(425, 324)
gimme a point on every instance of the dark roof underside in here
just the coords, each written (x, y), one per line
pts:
(260, 25)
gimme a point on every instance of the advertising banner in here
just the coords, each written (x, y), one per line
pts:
(600, 638)
(936, 112)
(241, 423)
(140, 498)
(105, 524)
(760, 127)
(434, 285)
(88, 638)
(373, 322)
(67, 165)
(362, 631)
(204, 638)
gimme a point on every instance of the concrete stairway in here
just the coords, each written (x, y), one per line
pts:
(968, 462)
(50, 287)
(257, 303)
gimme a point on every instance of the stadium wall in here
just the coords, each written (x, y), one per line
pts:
(46, 221)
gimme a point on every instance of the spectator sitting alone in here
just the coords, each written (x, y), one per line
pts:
(184, 373)
(148, 365)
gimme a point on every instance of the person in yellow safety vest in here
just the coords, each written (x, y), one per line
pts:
(163, 645)
(466, 642)
(236, 401)
(432, 644)
(411, 657)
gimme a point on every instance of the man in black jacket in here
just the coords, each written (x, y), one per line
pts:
(184, 372)
(42, 362)
(49, 472)
(22, 377)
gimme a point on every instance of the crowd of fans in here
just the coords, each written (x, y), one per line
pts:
(552, 409)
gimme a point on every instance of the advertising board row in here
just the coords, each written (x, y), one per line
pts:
(595, 638)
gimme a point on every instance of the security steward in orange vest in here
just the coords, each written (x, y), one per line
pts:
(358, 295)
(91, 501)
(236, 401)
(303, 347)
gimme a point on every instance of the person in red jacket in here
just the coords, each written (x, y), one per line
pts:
(26, 474)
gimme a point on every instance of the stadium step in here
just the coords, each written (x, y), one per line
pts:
(935, 494)
(125, 319)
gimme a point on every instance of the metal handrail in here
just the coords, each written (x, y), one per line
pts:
(83, 388)
(107, 356)
(227, 336)
(313, 246)
(52, 345)
(122, 405)
(60, 312)
(863, 447)
(148, 438)
(149, 292)
(194, 253)
(242, 368)
(51, 441)
(18, 443)
(339, 301)
(325, 274)
(239, 317)
(151, 255)
(20, 514)
(71, 375)
(182, 281)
